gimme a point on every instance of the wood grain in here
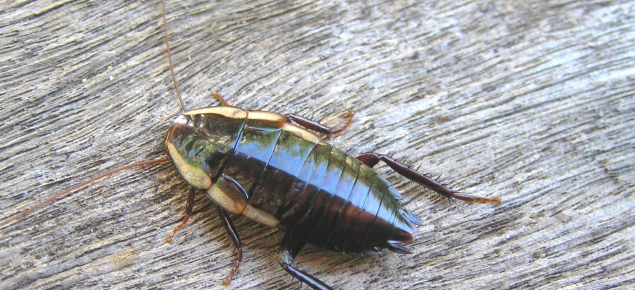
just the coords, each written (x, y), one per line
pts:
(530, 100)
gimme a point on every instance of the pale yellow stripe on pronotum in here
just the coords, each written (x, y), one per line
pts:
(229, 112)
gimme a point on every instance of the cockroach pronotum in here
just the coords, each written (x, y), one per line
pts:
(272, 169)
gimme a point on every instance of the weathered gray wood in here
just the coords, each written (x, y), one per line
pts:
(530, 100)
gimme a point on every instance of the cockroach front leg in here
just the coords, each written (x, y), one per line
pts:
(233, 234)
(289, 249)
(371, 159)
(317, 127)
(229, 226)
(188, 213)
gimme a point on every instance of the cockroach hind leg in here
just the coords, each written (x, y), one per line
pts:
(289, 249)
(188, 212)
(371, 159)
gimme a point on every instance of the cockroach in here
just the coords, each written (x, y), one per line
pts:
(273, 169)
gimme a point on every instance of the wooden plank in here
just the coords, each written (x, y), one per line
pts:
(532, 101)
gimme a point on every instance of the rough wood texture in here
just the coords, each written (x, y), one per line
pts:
(533, 101)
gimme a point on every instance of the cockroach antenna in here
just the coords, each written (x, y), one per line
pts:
(76, 187)
(167, 45)
(124, 168)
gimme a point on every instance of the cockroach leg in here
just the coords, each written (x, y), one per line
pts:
(289, 249)
(371, 159)
(188, 213)
(233, 234)
(316, 126)
(220, 98)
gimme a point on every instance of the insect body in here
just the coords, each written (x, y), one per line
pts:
(259, 165)
(256, 164)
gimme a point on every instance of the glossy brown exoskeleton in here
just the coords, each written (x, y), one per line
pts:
(259, 165)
